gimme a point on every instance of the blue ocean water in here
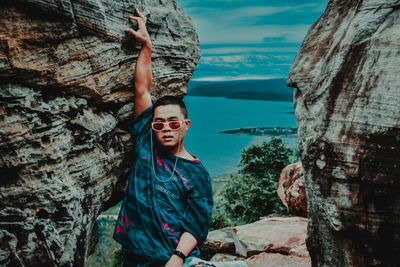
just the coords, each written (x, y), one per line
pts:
(220, 153)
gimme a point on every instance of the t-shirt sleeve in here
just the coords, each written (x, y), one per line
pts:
(198, 211)
(141, 125)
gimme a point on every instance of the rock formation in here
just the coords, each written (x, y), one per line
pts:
(269, 242)
(291, 189)
(66, 71)
(347, 105)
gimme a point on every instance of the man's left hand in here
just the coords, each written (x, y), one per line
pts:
(174, 261)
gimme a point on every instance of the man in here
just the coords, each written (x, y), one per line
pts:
(166, 211)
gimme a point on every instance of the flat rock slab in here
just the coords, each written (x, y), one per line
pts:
(274, 234)
(275, 260)
(221, 240)
(225, 257)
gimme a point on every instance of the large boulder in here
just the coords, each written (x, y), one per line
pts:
(66, 76)
(347, 105)
(291, 189)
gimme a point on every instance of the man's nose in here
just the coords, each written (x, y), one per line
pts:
(166, 128)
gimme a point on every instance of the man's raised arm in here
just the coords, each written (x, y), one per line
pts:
(143, 75)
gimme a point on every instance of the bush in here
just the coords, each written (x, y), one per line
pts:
(251, 193)
(219, 220)
(118, 257)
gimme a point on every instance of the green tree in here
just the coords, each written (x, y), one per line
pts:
(251, 193)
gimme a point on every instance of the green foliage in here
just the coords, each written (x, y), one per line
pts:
(266, 158)
(118, 258)
(219, 220)
(251, 193)
(206, 253)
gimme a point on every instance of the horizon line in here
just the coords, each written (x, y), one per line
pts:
(230, 78)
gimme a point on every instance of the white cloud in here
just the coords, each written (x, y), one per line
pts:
(213, 33)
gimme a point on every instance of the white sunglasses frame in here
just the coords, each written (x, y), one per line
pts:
(166, 123)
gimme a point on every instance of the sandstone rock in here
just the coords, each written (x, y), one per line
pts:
(225, 257)
(277, 260)
(291, 189)
(220, 241)
(269, 241)
(66, 71)
(274, 234)
(346, 79)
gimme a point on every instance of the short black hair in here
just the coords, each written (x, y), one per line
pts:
(171, 100)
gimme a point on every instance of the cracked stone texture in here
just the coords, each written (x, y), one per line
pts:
(347, 102)
(66, 103)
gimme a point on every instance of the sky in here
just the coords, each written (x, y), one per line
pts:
(249, 39)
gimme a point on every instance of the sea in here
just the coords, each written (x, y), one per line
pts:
(220, 152)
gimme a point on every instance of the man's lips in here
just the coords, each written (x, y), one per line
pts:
(167, 136)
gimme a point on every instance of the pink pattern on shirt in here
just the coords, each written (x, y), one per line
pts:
(161, 162)
(124, 220)
(183, 179)
(169, 229)
(119, 229)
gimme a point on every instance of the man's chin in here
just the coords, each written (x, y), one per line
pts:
(168, 145)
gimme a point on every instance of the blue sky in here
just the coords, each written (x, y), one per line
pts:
(249, 39)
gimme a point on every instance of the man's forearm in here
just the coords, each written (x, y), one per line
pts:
(143, 73)
(186, 244)
(143, 76)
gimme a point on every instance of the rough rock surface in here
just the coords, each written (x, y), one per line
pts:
(347, 104)
(277, 260)
(225, 257)
(66, 71)
(291, 189)
(220, 240)
(273, 234)
(285, 236)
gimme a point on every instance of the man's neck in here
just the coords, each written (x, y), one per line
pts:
(183, 153)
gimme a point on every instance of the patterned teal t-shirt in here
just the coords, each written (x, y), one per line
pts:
(155, 213)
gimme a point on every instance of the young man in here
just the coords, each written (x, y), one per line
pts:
(166, 211)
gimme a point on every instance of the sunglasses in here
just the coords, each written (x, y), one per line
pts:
(160, 125)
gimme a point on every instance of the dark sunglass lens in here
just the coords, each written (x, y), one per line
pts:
(158, 126)
(175, 124)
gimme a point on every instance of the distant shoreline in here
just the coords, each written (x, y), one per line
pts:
(271, 89)
(269, 131)
(261, 98)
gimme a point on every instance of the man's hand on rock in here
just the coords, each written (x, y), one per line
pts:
(141, 34)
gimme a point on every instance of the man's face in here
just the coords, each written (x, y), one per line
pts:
(167, 137)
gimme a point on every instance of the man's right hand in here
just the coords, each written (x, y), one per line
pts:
(141, 34)
(143, 74)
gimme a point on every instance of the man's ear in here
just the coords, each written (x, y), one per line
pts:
(187, 123)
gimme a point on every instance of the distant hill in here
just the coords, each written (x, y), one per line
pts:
(273, 89)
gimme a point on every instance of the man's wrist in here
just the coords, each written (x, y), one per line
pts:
(176, 258)
(147, 45)
(179, 254)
